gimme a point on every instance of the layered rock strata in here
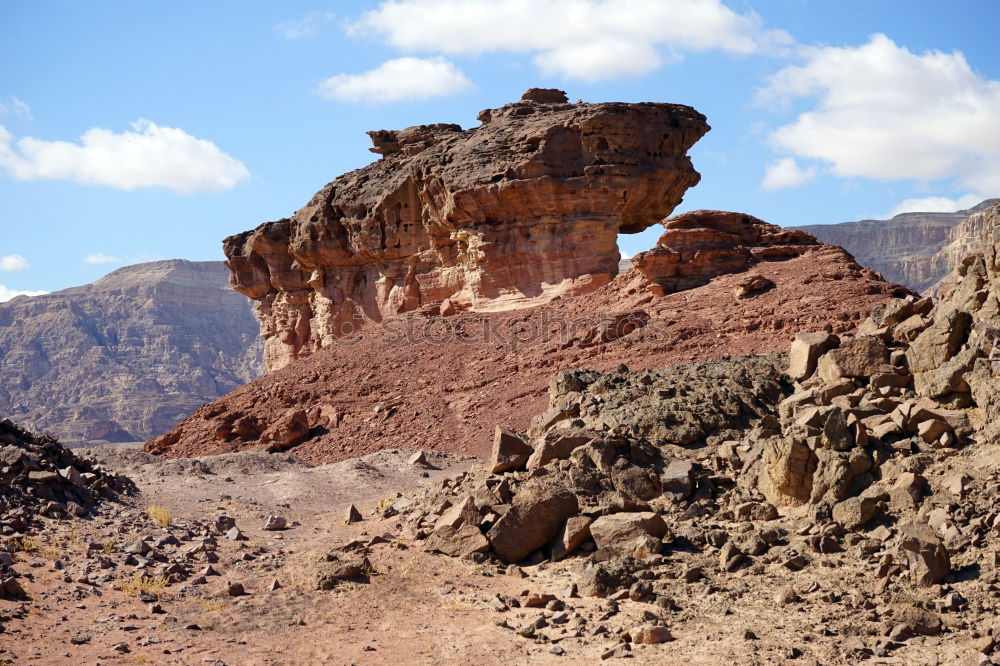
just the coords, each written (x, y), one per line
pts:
(704, 244)
(512, 213)
(913, 249)
(127, 357)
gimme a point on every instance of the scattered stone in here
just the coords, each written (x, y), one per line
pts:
(273, 524)
(352, 515)
(649, 634)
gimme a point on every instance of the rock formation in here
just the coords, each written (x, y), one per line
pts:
(701, 245)
(913, 249)
(442, 383)
(129, 356)
(509, 214)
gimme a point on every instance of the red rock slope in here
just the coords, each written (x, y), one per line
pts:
(443, 383)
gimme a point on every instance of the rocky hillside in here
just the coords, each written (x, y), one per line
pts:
(441, 382)
(913, 249)
(127, 357)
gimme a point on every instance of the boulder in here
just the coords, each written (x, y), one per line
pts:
(859, 357)
(289, 430)
(461, 513)
(926, 555)
(805, 351)
(605, 578)
(537, 513)
(510, 451)
(616, 531)
(558, 444)
(908, 491)
(854, 512)
(456, 542)
(573, 533)
(677, 479)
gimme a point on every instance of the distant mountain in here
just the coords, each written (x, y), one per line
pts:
(129, 356)
(913, 249)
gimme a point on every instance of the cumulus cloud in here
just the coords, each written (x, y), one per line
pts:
(579, 39)
(786, 172)
(936, 204)
(304, 26)
(16, 107)
(13, 262)
(147, 156)
(6, 293)
(397, 80)
(886, 113)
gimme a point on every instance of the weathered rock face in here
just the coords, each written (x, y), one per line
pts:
(509, 214)
(127, 357)
(913, 249)
(701, 245)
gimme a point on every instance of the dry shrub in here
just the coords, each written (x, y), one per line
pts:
(160, 515)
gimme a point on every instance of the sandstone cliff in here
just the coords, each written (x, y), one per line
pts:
(513, 213)
(914, 249)
(127, 357)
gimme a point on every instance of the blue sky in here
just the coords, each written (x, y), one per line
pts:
(135, 131)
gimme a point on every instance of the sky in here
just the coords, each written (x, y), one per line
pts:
(135, 131)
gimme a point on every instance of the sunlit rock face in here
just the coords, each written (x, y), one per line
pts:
(510, 214)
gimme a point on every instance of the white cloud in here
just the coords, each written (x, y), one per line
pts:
(579, 39)
(6, 293)
(304, 26)
(883, 112)
(16, 107)
(786, 172)
(936, 204)
(147, 156)
(396, 80)
(101, 258)
(13, 262)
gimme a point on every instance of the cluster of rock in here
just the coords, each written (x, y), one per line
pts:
(512, 213)
(861, 448)
(701, 245)
(39, 478)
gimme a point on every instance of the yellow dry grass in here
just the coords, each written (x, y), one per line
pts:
(139, 583)
(160, 515)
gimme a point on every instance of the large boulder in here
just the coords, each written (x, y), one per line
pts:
(805, 351)
(926, 555)
(615, 532)
(510, 451)
(538, 511)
